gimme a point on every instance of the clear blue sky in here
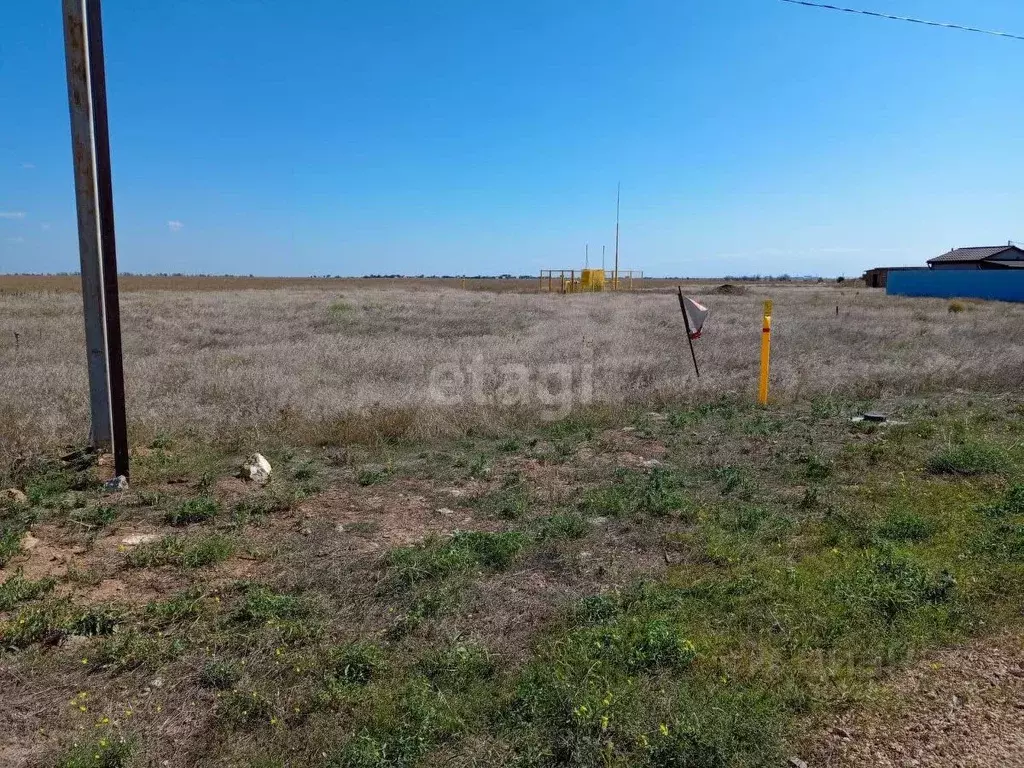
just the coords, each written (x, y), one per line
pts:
(451, 136)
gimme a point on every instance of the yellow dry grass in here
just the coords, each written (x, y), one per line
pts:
(342, 360)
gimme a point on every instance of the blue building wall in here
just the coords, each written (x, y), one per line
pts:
(1000, 284)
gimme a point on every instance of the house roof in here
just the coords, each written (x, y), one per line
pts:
(973, 254)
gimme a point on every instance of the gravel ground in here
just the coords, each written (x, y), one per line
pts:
(963, 707)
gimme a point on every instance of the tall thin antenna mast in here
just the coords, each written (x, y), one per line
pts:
(618, 195)
(586, 255)
(602, 258)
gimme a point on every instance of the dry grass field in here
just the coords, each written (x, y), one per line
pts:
(513, 529)
(337, 364)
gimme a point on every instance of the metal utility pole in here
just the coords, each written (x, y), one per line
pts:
(618, 194)
(90, 144)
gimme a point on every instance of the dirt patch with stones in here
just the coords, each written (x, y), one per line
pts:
(374, 519)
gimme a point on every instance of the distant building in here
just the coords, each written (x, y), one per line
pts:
(879, 276)
(988, 257)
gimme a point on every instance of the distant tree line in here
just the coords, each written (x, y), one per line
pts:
(784, 278)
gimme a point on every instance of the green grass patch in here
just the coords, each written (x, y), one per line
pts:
(182, 551)
(134, 649)
(51, 620)
(465, 551)
(637, 494)
(220, 675)
(100, 752)
(509, 445)
(184, 607)
(18, 589)
(1011, 505)
(561, 527)
(457, 667)
(907, 525)
(198, 510)
(291, 617)
(399, 726)
(97, 516)
(968, 459)
(14, 524)
(510, 502)
(372, 476)
(244, 709)
(354, 664)
(46, 488)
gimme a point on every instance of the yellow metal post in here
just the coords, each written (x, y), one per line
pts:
(766, 352)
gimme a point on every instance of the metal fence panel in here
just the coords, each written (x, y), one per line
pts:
(998, 284)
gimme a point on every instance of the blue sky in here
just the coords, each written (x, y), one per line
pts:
(454, 136)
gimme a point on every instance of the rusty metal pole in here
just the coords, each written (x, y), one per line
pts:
(90, 143)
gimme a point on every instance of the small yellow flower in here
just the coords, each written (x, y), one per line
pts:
(273, 721)
(604, 722)
(85, 661)
(664, 729)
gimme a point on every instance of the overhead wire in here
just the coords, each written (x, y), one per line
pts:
(912, 20)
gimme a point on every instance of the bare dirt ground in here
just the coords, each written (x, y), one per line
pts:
(962, 707)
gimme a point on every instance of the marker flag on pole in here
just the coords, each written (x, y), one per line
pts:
(696, 314)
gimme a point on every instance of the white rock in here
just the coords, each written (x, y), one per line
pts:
(445, 511)
(257, 468)
(119, 483)
(139, 538)
(29, 542)
(14, 495)
(650, 463)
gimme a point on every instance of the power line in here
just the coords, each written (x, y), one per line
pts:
(912, 20)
